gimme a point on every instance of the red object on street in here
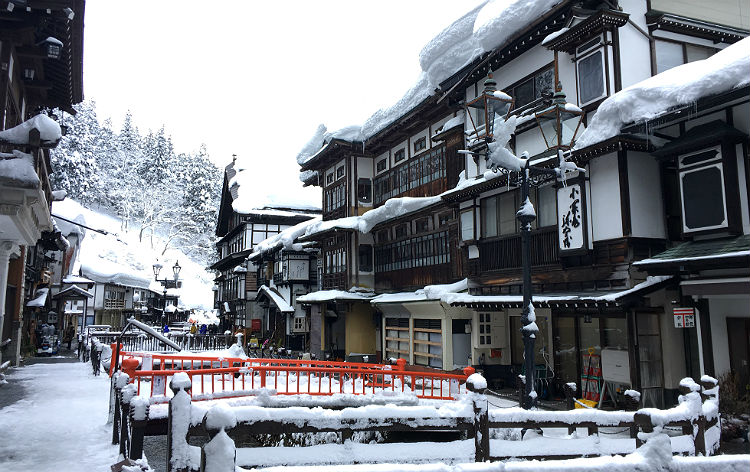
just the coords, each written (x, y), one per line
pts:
(255, 325)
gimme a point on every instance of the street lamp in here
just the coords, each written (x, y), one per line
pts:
(176, 269)
(555, 124)
(157, 268)
(489, 103)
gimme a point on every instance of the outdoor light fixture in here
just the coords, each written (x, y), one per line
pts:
(52, 47)
(176, 269)
(491, 102)
(157, 268)
(29, 74)
(559, 122)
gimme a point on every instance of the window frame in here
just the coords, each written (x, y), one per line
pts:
(583, 53)
(718, 161)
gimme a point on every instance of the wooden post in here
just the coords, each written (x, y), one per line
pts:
(139, 410)
(219, 452)
(570, 401)
(120, 381)
(632, 403)
(127, 395)
(177, 429)
(643, 422)
(709, 391)
(476, 386)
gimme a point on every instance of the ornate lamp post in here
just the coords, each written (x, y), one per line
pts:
(489, 104)
(559, 124)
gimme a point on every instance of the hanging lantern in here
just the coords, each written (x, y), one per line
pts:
(52, 47)
(176, 270)
(157, 268)
(559, 122)
(491, 103)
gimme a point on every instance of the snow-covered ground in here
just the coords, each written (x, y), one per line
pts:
(121, 258)
(60, 424)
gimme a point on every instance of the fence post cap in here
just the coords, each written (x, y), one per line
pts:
(468, 371)
(180, 381)
(401, 363)
(476, 383)
(219, 417)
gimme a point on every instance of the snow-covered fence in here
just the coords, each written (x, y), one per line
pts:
(134, 341)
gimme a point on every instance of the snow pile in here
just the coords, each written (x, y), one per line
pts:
(430, 292)
(477, 381)
(220, 416)
(18, 169)
(392, 208)
(499, 155)
(385, 116)
(724, 71)
(285, 239)
(49, 131)
(322, 137)
(125, 260)
(330, 295)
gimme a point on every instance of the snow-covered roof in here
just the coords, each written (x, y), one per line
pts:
(249, 193)
(646, 100)
(49, 131)
(76, 279)
(580, 297)
(276, 298)
(73, 290)
(488, 25)
(40, 298)
(285, 239)
(322, 296)
(392, 208)
(430, 292)
(17, 169)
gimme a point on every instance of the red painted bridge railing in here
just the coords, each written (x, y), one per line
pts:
(226, 377)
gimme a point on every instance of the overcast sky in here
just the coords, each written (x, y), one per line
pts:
(255, 78)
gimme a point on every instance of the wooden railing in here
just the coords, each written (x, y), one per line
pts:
(140, 342)
(505, 253)
(224, 377)
(695, 417)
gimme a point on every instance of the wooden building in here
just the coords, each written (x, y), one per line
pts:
(41, 67)
(634, 212)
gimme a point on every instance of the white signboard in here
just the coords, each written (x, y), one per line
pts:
(570, 227)
(159, 386)
(299, 270)
(684, 317)
(616, 366)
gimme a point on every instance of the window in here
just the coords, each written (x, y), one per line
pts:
(300, 324)
(590, 70)
(365, 258)
(329, 178)
(400, 231)
(427, 344)
(383, 236)
(339, 172)
(426, 168)
(420, 251)
(498, 213)
(422, 225)
(702, 190)
(533, 87)
(420, 144)
(671, 54)
(114, 298)
(335, 197)
(445, 218)
(364, 190)
(399, 155)
(381, 165)
(485, 329)
(467, 225)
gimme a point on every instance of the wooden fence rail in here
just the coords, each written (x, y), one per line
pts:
(141, 342)
(695, 416)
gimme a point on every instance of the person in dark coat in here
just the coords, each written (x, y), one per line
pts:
(203, 329)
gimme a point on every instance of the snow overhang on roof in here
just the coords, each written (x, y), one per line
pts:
(325, 296)
(598, 298)
(40, 298)
(76, 279)
(428, 293)
(679, 24)
(275, 298)
(17, 170)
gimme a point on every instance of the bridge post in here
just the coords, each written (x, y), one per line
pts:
(219, 453)
(178, 424)
(120, 380)
(139, 410)
(476, 384)
(127, 395)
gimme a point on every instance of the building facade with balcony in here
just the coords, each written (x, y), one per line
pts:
(638, 206)
(242, 224)
(41, 68)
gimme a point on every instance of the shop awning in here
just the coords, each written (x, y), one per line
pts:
(275, 298)
(716, 286)
(694, 256)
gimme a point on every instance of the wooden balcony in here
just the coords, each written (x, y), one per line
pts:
(505, 252)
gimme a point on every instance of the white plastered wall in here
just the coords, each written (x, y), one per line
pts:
(646, 205)
(721, 307)
(606, 213)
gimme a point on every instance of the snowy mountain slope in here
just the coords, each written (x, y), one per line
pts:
(120, 258)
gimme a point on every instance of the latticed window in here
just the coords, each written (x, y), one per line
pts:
(420, 251)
